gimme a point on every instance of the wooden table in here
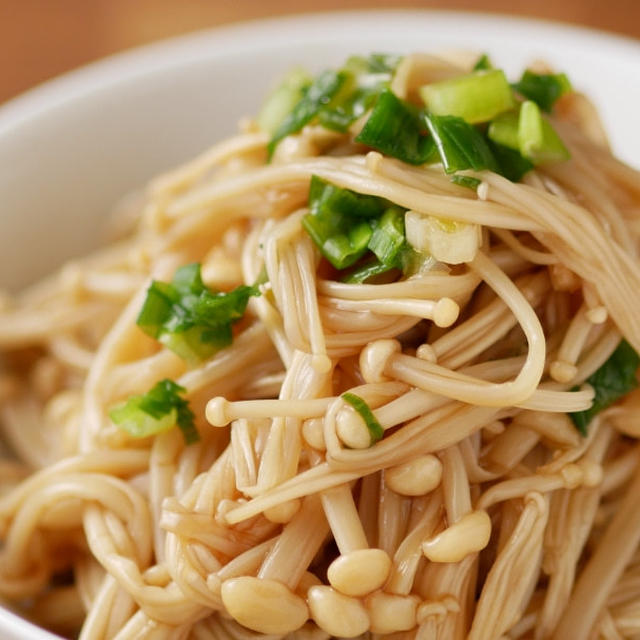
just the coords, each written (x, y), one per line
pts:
(42, 38)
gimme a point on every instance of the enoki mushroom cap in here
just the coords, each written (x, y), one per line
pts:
(266, 606)
(339, 615)
(390, 613)
(470, 534)
(359, 572)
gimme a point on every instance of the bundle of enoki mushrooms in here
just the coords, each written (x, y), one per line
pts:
(396, 457)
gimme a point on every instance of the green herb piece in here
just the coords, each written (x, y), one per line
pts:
(334, 98)
(543, 89)
(613, 380)
(341, 249)
(318, 95)
(375, 428)
(537, 140)
(156, 411)
(190, 319)
(466, 181)
(283, 99)
(349, 109)
(397, 129)
(513, 165)
(503, 129)
(414, 262)
(340, 221)
(476, 97)
(334, 203)
(368, 78)
(460, 145)
(367, 270)
(388, 236)
(376, 63)
(483, 63)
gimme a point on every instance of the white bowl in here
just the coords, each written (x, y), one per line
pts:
(72, 147)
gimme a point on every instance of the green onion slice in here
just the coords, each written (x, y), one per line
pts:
(388, 237)
(189, 318)
(466, 181)
(397, 129)
(367, 270)
(375, 428)
(341, 221)
(476, 97)
(460, 145)
(156, 411)
(613, 380)
(318, 95)
(483, 63)
(537, 140)
(543, 89)
(283, 99)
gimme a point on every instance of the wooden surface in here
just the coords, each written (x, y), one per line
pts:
(43, 38)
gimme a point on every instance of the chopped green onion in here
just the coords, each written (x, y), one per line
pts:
(466, 181)
(476, 97)
(318, 95)
(614, 379)
(415, 262)
(334, 203)
(344, 225)
(189, 318)
(483, 63)
(156, 411)
(376, 63)
(334, 98)
(348, 109)
(460, 145)
(369, 77)
(537, 139)
(543, 89)
(283, 99)
(341, 249)
(367, 270)
(387, 239)
(513, 165)
(340, 221)
(503, 129)
(375, 428)
(397, 129)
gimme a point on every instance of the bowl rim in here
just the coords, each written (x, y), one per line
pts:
(138, 61)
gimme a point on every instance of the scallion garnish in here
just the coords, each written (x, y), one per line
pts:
(340, 221)
(283, 99)
(466, 181)
(375, 428)
(483, 63)
(513, 165)
(543, 88)
(156, 411)
(367, 270)
(388, 236)
(475, 97)
(397, 129)
(614, 379)
(189, 318)
(460, 145)
(318, 95)
(537, 139)
(335, 98)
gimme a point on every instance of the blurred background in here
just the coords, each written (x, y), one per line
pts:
(43, 38)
